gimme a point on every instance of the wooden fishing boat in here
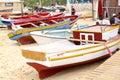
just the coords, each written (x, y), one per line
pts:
(63, 33)
(33, 18)
(62, 24)
(29, 18)
(6, 21)
(6, 11)
(46, 14)
(24, 23)
(48, 36)
(87, 45)
(73, 18)
(39, 15)
(55, 35)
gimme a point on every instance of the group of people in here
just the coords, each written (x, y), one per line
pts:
(115, 19)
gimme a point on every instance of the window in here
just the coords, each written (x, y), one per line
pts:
(118, 2)
(9, 4)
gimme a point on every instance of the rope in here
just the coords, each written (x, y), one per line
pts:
(110, 53)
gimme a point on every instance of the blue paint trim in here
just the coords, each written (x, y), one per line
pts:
(19, 36)
(15, 37)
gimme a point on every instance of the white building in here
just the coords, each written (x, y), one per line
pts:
(10, 4)
(83, 7)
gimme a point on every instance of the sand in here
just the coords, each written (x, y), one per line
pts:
(13, 67)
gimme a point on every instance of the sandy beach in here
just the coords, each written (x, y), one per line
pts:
(13, 67)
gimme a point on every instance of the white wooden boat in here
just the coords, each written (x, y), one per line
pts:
(63, 33)
(48, 36)
(53, 35)
(87, 45)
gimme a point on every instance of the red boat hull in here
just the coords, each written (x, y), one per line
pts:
(36, 21)
(45, 71)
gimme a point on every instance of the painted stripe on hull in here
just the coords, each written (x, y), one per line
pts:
(21, 32)
(79, 59)
(91, 52)
(94, 31)
(75, 52)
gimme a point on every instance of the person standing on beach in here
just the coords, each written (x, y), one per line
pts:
(117, 20)
(72, 10)
(37, 7)
(112, 19)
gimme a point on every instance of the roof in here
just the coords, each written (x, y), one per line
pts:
(10, 0)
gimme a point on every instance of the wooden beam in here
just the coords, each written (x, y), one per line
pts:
(72, 39)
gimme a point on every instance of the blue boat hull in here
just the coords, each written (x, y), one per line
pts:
(25, 32)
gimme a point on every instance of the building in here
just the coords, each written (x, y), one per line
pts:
(95, 7)
(10, 4)
(83, 7)
(110, 7)
(106, 7)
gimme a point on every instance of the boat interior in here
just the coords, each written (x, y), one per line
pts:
(38, 22)
(30, 24)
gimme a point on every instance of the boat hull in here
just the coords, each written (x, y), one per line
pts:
(34, 18)
(58, 55)
(45, 71)
(58, 63)
(23, 32)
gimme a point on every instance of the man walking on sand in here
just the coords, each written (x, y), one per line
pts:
(72, 10)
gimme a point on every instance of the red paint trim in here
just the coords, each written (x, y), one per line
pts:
(45, 71)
